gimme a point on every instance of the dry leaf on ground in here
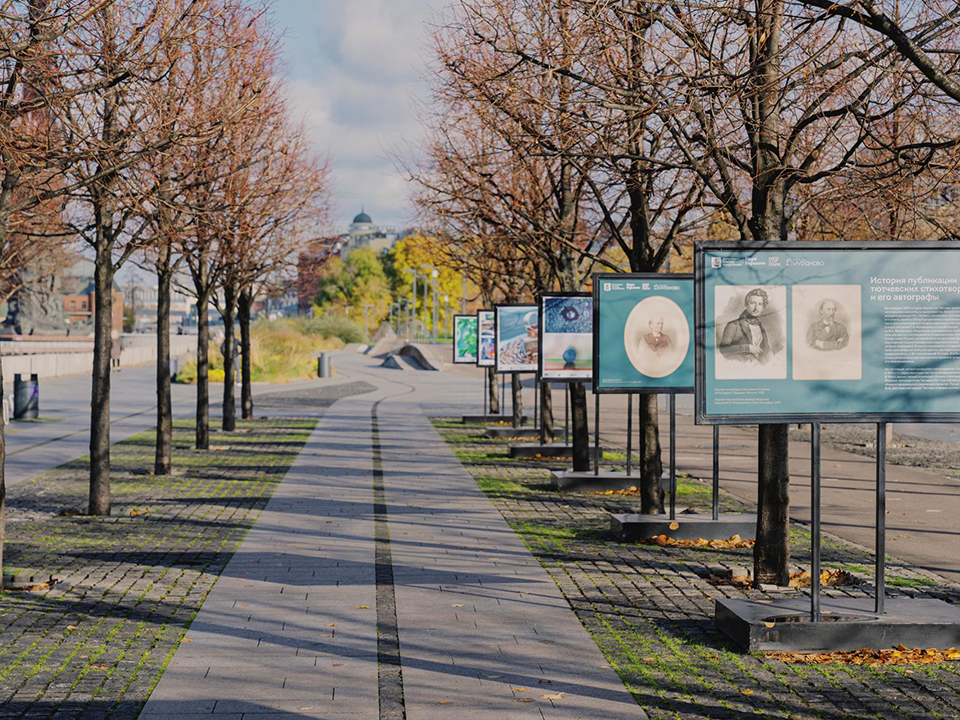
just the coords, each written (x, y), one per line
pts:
(900, 655)
(735, 541)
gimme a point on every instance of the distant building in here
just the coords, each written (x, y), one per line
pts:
(144, 301)
(59, 304)
(364, 234)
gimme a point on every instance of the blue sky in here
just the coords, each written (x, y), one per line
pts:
(353, 67)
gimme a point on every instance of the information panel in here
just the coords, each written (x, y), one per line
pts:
(464, 339)
(566, 337)
(830, 332)
(486, 325)
(516, 329)
(643, 333)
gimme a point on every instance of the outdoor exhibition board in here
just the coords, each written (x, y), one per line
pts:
(486, 337)
(464, 339)
(516, 328)
(828, 332)
(643, 333)
(566, 337)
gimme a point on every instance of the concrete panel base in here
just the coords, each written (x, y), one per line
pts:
(489, 419)
(848, 624)
(547, 450)
(507, 431)
(572, 480)
(689, 526)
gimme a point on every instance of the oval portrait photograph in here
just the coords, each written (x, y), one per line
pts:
(656, 337)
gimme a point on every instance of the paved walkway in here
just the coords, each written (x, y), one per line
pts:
(379, 582)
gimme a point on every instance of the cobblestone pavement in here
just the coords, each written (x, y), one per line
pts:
(96, 643)
(650, 608)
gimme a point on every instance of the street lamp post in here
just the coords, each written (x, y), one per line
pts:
(434, 274)
(413, 294)
(366, 330)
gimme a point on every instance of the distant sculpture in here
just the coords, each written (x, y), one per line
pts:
(37, 308)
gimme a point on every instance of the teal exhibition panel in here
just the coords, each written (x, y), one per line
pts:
(827, 332)
(643, 333)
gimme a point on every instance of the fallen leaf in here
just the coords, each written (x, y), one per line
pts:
(747, 692)
(545, 682)
(901, 655)
(134, 512)
(361, 607)
(520, 689)
(186, 640)
(457, 606)
(523, 699)
(557, 696)
(735, 541)
(72, 627)
(444, 702)
(769, 624)
(307, 707)
(674, 525)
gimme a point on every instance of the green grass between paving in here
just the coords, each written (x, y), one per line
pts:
(96, 644)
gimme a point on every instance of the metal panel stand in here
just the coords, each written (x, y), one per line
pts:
(716, 472)
(815, 522)
(673, 456)
(881, 516)
(596, 434)
(629, 434)
(536, 404)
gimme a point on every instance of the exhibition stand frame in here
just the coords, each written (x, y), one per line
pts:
(766, 355)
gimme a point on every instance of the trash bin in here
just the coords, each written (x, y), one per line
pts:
(26, 397)
(323, 365)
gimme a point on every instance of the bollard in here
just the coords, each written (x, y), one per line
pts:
(26, 398)
(323, 366)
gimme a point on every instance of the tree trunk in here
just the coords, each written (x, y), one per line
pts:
(517, 390)
(580, 427)
(651, 465)
(546, 412)
(203, 374)
(100, 399)
(229, 366)
(492, 391)
(771, 553)
(164, 445)
(3, 480)
(246, 359)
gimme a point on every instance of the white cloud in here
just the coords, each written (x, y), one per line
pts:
(354, 67)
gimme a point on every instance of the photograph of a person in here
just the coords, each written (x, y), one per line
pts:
(750, 339)
(656, 339)
(517, 329)
(826, 332)
(656, 336)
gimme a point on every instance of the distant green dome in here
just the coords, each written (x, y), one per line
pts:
(362, 218)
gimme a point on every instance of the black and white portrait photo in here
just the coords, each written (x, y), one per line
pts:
(826, 332)
(656, 336)
(750, 338)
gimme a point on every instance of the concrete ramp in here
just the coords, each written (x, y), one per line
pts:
(423, 354)
(401, 362)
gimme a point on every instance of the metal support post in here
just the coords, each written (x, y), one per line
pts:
(629, 434)
(673, 456)
(536, 401)
(815, 522)
(716, 472)
(881, 516)
(566, 415)
(596, 434)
